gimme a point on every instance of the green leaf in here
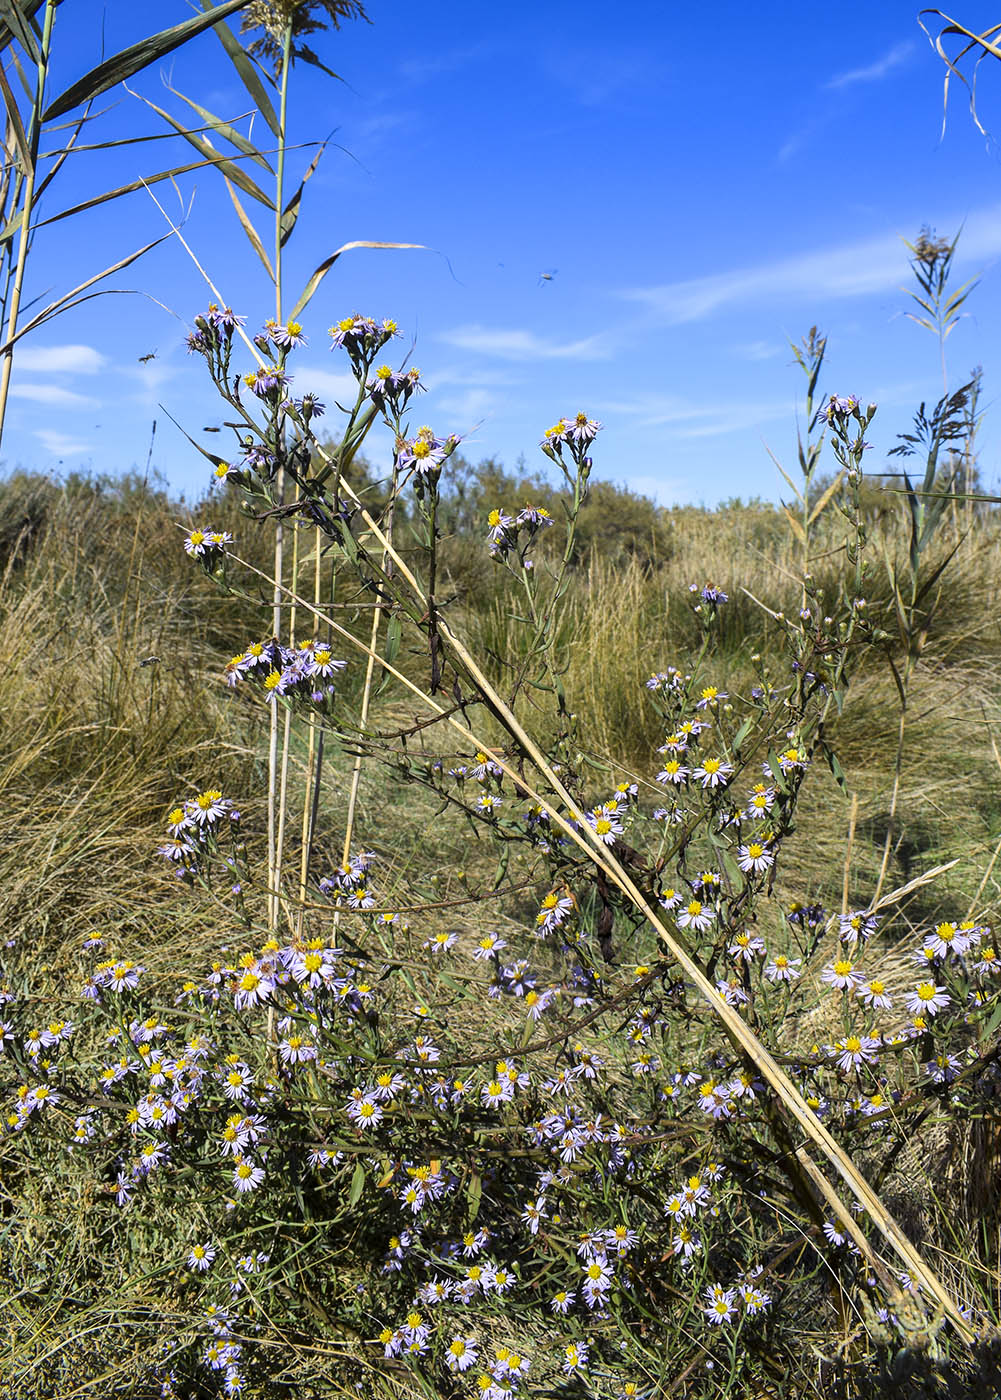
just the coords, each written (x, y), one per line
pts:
(328, 263)
(741, 735)
(244, 66)
(130, 188)
(17, 126)
(290, 214)
(308, 56)
(135, 58)
(349, 543)
(204, 146)
(17, 25)
(253, 236)
(73, 298)
(836, 769)
(474, 1192)
(778, 777)
(216, 461)
(394, 633)
(734, 873)
(357, 1184)
(502, 865)
(226, 131)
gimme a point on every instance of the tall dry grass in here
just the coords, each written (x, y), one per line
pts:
(95, 745)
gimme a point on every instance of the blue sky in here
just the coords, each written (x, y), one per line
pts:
(703, 186)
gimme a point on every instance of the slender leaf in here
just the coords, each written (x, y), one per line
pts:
(250, 231)
(130, 188)
(991, 1024)
(226, 131)
(57, 165)
(357, 1184)
(741, 735)
(290, 214)
(818, 508)
(797, 525)
(227, 164)
(22, 77)
(307, 55)
(135, 58)
(836, 769)
(17, 126)
(327, 264)
(209, 456)
(775, 767)
(17, 25)
(111, 145)
(785, 475)
(394, 635)
(244, 66)
(474, 1191)
(63, 303)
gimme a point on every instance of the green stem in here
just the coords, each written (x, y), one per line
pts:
(280, 178)
(27, 208)
(275, 782)
(559, 588)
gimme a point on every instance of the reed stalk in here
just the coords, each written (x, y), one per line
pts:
(30, 158)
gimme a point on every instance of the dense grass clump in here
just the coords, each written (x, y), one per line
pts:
(89, 771)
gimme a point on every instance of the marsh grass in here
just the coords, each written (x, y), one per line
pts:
(93, 573)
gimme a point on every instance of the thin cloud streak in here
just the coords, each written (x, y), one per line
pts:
(60, 444)
(875, 72)
(685, 419)
(49, 393)
(521, 344)
(856, 269)
(65, 359)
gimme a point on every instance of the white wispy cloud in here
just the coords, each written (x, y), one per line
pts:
(426, 70)
(684, 418)
(60, 444)
(874, 72)
(758, 350)
(151, 378)
(472, 376)
(64, 359)
(49, 393)
(854, 269)
(521, 344)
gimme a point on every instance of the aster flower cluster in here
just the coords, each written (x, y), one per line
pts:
(300, 675)
(204, 544)
(362, 337)
(567, 443)
(391, 389)
(424, 454)
(515, 534)
(194, 829)
(212, 337)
